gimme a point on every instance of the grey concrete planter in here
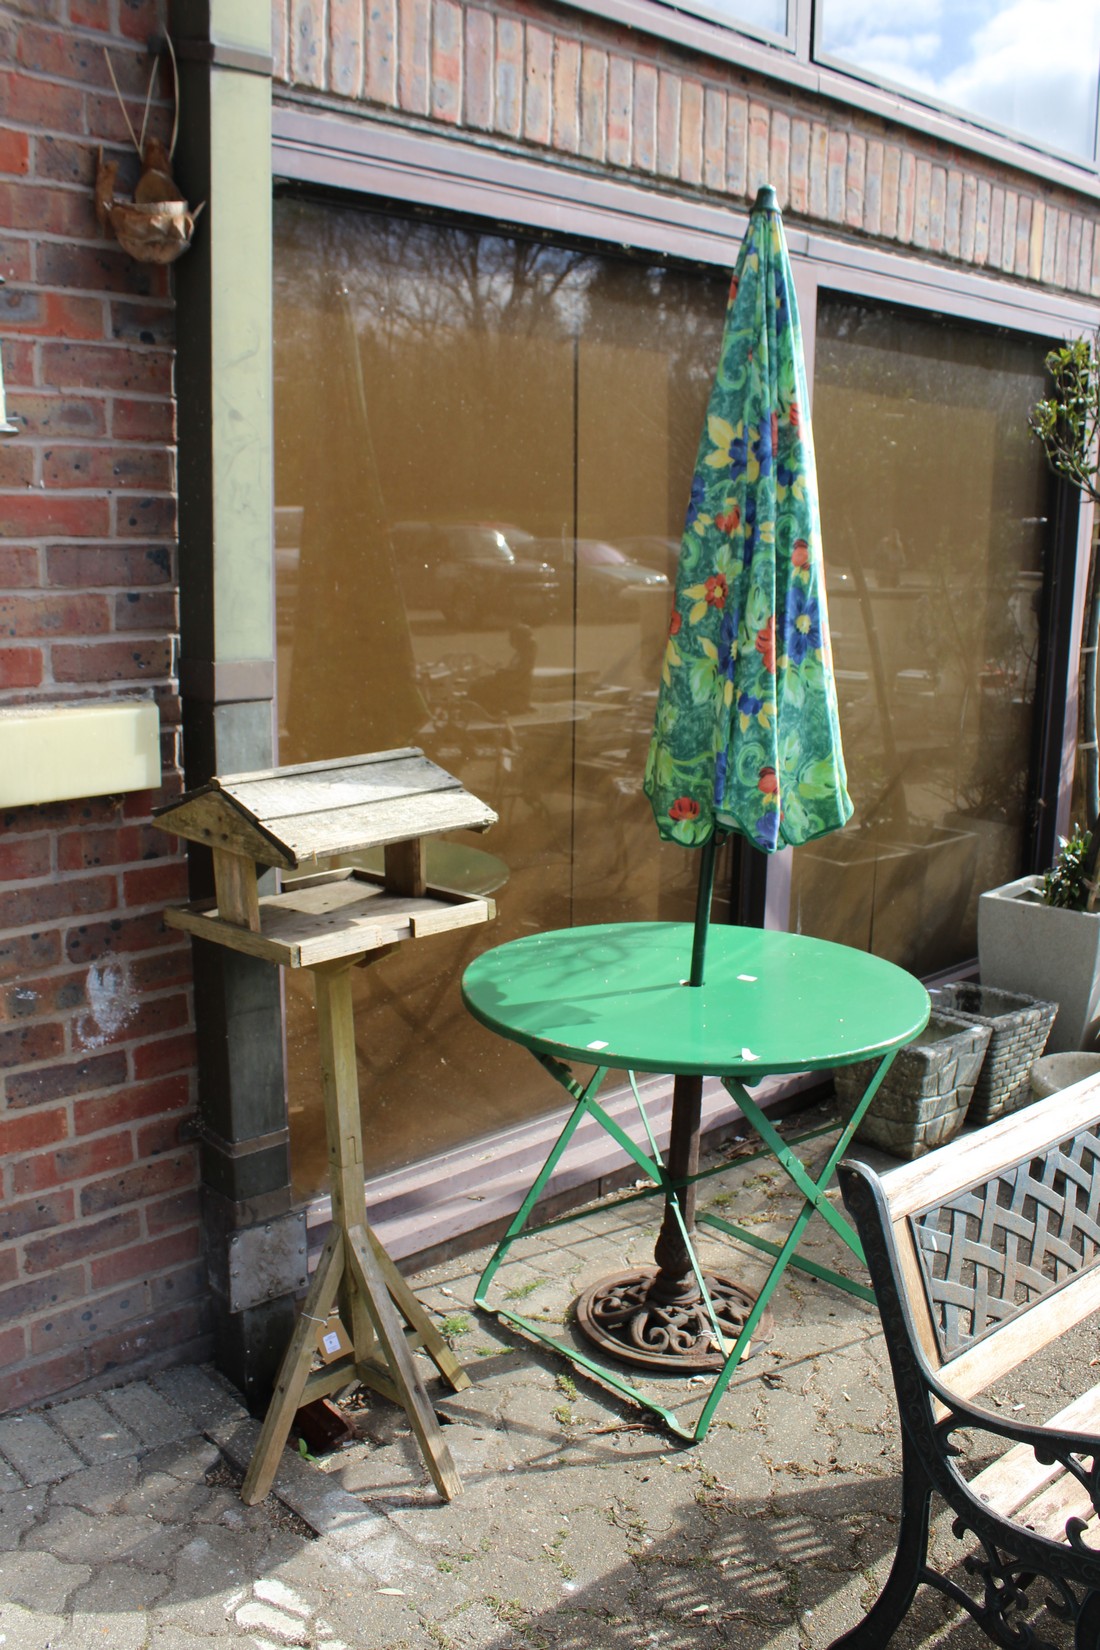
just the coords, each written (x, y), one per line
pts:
(923, 1100)
(1024, 945)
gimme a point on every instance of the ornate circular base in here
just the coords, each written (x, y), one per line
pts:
(667, 1328)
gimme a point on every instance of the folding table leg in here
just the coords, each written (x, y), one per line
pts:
(815, 1202)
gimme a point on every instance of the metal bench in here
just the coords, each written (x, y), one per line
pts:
(982, 1254)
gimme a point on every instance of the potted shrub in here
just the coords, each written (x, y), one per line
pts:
(1041, 934)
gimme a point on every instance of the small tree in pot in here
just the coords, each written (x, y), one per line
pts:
(1067, 424)
(1041, 935)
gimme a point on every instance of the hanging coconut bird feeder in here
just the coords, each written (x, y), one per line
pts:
(156, 226)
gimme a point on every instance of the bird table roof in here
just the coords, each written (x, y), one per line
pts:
(293, 817)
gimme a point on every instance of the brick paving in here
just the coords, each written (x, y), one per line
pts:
(581, 1523)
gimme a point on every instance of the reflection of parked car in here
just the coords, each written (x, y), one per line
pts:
(606, 567)
(476, 572)
(602, 569)
(662, 554)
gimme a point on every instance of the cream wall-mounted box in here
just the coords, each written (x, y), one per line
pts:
(52, 753)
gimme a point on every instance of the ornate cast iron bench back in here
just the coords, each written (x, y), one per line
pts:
(982, 1254)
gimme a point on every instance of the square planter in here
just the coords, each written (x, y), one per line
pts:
(923, 1100)
(1019, 1027)
(1024, 945)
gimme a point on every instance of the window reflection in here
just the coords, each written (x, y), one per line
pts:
(769, 16)
(484, 447)
(933, 517)
(1029, 65)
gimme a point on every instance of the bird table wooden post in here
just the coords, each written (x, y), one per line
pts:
(331, 917)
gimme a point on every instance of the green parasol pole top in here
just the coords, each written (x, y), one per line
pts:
(766, 199)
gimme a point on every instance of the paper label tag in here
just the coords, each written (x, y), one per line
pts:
(332, 1339)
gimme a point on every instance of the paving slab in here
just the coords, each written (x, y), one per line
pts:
(92, 1430)
(38, 1452)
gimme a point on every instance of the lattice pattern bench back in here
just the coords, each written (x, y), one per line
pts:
(992, 1251)
(981, 1245)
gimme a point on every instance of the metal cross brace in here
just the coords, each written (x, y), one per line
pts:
(815, 1201)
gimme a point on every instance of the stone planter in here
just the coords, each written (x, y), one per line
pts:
(923, 1100)
(1018, 1030)
(1024, 945)
(1055, 1072)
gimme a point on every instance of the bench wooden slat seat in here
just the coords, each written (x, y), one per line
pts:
(982, 1254)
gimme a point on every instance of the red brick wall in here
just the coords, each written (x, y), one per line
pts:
(99, 1236)
(588, 94)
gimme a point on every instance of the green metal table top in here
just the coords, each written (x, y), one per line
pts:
(616, 995)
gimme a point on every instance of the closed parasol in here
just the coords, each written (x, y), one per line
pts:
(747, 735)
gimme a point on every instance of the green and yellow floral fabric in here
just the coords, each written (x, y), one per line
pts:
(747, 735)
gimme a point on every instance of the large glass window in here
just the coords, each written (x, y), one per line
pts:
(1029, 66)
(933, 504)
(484, 447)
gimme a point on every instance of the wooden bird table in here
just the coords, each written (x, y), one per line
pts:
(330, 919)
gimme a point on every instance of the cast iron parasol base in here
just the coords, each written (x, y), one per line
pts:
(644, 1317)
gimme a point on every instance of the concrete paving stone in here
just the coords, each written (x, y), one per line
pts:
(21, 1512)
(39, 1580)
(37, 1451)
(85, 1538)
(203, 1395)
(149, 1415)
(325, 1506)
(93, 1430)
(101, 1632)
(97, 1489)
(10, 1480)
(170, 1636)
(24, 1628)
(167, 1497)
(187, 1459)
(211, 1613)
(119, 1590)
(213, 1562)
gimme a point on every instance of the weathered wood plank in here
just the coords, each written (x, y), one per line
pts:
(294, 1372)
(209, 817)
(1013, 1479)
(323, 765)
(333, 831)
(352, 784)
(333, 918)
(406, 869)
(433, 1446)
(237, 892)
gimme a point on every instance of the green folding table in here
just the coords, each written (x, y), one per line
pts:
(616, 998)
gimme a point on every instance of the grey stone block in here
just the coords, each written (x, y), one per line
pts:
(146, 1413)
(92, 1429)
(37, 1450)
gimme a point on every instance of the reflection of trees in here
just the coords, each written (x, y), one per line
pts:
(930, 484)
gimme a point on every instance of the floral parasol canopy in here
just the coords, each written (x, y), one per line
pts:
(747, 731)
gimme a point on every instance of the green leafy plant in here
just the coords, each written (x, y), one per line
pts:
(1067, 883)
(1067, 424)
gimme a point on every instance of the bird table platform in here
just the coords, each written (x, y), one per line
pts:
(360, 1317)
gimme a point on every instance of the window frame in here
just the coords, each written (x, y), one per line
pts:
(795, 65)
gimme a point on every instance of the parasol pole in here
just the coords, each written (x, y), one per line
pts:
(703, 898)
